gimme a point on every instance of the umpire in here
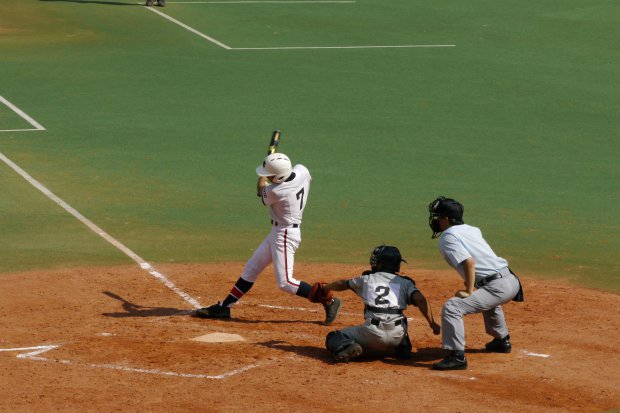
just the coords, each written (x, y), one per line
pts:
(489, 283)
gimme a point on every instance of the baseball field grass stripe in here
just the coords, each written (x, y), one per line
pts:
(190, 29)
(97, 230)
(21, 113)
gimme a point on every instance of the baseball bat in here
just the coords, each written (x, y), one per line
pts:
(273, 144)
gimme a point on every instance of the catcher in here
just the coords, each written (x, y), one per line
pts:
(385, 294)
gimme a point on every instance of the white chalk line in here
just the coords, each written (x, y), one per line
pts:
(527, 353)
(190, 29)
(263, 2)
(346, 47)
(224, 46)
(97, 230)
(37, 125)
(34, 355)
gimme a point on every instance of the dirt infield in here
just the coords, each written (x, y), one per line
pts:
(117, 339)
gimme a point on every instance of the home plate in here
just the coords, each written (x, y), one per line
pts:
(219, 338)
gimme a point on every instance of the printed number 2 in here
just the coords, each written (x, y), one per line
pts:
(383, 291)
(300, 195)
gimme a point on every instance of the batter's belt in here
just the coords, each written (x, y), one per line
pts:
(275, 224)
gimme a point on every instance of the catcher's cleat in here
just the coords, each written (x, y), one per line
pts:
(455, 361)
(214, 311)
(499, 345)
(348, 353)
(331, 311)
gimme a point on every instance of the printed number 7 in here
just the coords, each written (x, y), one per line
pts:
(300, 194)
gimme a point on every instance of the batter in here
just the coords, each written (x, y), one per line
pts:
(284, 189)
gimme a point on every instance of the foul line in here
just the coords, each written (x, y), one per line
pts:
(135, 257)
(224, 46)
(190, 29)
(37, 125)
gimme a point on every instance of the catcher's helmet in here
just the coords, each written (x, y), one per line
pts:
(277, 165)
(385, 258)
(444, 207)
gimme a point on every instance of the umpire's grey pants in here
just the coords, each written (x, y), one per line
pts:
(486, 300)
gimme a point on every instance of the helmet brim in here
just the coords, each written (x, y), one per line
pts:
(261, 171)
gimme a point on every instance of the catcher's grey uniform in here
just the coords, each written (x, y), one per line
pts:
(496, 285)
(385, 297)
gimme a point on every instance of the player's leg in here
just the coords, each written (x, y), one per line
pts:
(255, 265)
(344, 345)
(284, 243)
(494, 321)
(452, 326)
(283, 247)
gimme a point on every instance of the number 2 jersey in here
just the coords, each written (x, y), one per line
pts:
(288, 199)
(384, 294)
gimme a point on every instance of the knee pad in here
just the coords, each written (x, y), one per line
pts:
(336, 341)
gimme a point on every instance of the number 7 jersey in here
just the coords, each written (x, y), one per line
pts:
(288, 199)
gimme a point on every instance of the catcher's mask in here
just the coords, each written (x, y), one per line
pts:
(277, 165)
(444, 207)
(386, 258)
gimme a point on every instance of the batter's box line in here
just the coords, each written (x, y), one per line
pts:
(225, 46)
(24, 115)
(32, 353)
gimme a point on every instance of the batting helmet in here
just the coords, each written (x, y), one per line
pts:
(385, 258)
(277, 165)
(444, 207)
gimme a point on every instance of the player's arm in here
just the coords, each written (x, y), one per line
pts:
(422, 303)
(469, 267)
(339, 285)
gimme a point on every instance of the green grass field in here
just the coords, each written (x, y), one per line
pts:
(153, 132)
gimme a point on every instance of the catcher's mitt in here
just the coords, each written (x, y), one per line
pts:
(319, 295)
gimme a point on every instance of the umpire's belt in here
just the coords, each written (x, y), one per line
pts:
(504, 272)
(275, 224)
(389, 325)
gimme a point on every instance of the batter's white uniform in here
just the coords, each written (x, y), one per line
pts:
(458, 243)
(286, 202)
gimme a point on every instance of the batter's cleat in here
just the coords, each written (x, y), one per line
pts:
(214, 311)
(455, 361)
(331, 311)
(499, 345)
(149, 3)
(348, 353)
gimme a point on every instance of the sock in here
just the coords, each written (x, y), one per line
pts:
(304, 289)
(239, 290)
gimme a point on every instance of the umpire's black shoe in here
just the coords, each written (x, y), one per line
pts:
(214, 311)
(161, 3)
(346, 354)
(455, 361)
(331, 311)
(499, 345)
